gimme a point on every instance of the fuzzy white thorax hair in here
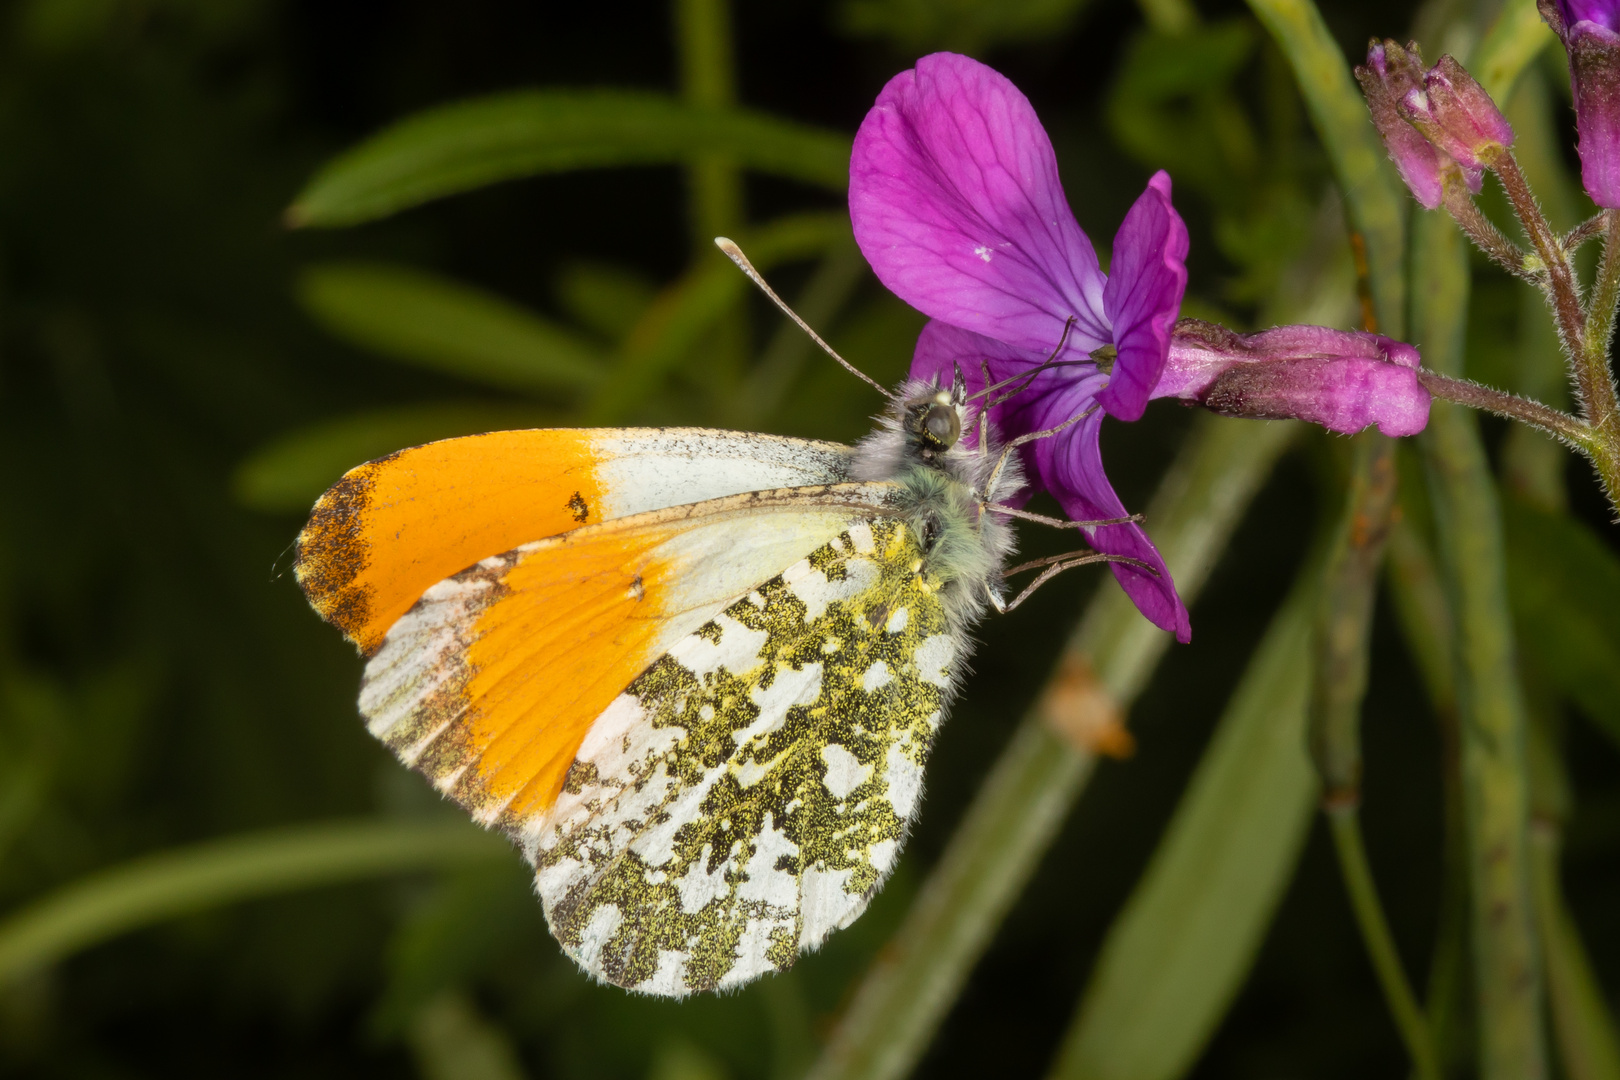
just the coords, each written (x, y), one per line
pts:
(947, 491)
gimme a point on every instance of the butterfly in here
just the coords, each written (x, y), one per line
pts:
(693, 674)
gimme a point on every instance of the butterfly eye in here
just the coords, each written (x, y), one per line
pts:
(941, 426)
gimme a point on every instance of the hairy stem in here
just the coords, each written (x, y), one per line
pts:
(1563, 290)
(1593, 227)
(1592, 372)
(1466, 392)
(1487, 237)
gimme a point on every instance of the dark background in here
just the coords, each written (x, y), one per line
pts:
(162, 681)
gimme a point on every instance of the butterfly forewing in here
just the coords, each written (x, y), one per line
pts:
(748, 792)
(392, 528)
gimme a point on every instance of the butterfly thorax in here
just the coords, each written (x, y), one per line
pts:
(945, 482)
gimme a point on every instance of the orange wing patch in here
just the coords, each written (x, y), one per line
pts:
(491, 682)
(391, 528)
(569, 626)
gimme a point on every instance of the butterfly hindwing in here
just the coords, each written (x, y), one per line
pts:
(747, 793)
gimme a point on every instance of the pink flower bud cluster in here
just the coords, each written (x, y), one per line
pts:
(1439, 125)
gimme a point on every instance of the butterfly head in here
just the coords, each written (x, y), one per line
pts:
(932, 421)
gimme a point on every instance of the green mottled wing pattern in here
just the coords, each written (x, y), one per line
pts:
(747, 794)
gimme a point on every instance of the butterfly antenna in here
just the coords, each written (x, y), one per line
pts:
(1028, 377)
(734, 253)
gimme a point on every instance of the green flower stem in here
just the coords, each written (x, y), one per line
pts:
(1343, 625)
(178, 882)
(1358, 883)
(708, 80)
(1426, 623)
(1460, 204)
(1512, 406)
(1563, 288)
(893, 1014)
(1583, 1028)
(1376, 203)
(1342, 638)
(1592, 371)
(1490, 701)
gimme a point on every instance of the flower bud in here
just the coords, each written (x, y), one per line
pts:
(1590, 30)
(1455, 113)
(1341, 380)
(1390, 75)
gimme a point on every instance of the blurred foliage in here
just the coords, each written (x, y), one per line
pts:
(966, 26)
(180, 376)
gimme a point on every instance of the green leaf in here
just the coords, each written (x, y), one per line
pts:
(460, 147)
(289, 473)
(179, 882)
(451, 1040)
(1564, 583)
(1516, 38)
(443, 325)
(1171, 107)
(1183, 944)
(450, 935)
(606, 299)
(967, 26)
(677, 322)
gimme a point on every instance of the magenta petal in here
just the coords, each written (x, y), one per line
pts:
(1074, 474)
(955, 201)
(942, 348)
(1143, 296)
(1069, 464)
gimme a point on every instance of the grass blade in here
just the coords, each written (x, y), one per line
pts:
(1182, 945)
(436, 323)
(185, 880)
(460, 147)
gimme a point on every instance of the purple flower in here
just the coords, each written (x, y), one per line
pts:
(1392, 75)
(956, 203)
(955, 200)
(1590, 30)
(1340, 380)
